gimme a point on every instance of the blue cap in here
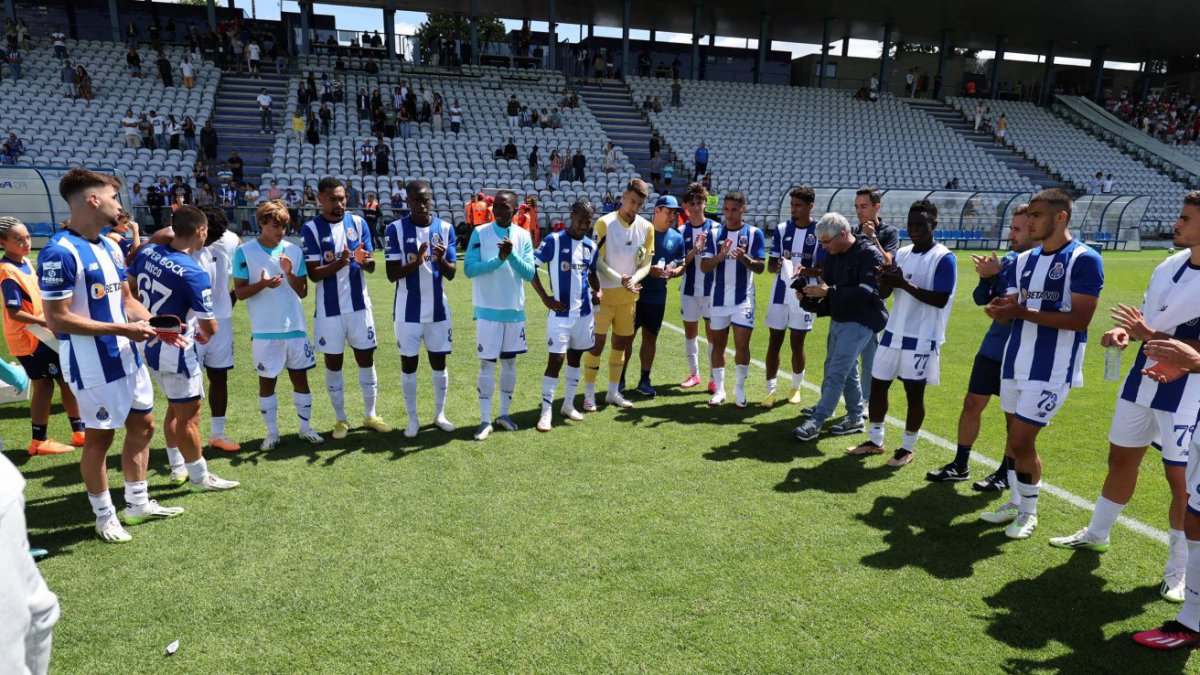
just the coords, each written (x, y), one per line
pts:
(668, 201)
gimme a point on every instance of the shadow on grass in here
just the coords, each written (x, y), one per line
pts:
(330, 451)
(1070, 605)
(842, 474)
(771, 442)
(917, 529)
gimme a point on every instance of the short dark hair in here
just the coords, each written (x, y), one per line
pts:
(1020, 209)
(736, 196)
(804, 193)
(926, 208)
(1056, 197)
(638, 187)
(871, 191)
(584, 207)
(508, 193)
(694, 191)
(217, 223)
(1192, 198)
(187, 220)
(77, 180)
(413, 187)
(329, 183)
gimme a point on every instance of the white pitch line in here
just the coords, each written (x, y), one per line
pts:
(1148, 531)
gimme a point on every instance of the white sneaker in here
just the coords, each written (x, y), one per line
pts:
(739, 398)
(717, 399)
(151, 510)
(213, 483)
(506, 423)
(543, 423)
(1173, 588)
(413, 427)
(589, 403)
(444, 424)
(1022, 527)
(569, 412)
(270, 442)
(1081, 540)
(1002, 515)
(178, 476)
(483, 431)
(311, 436)
(615, 398)
(110, 530)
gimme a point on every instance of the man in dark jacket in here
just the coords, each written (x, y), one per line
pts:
(849, 295)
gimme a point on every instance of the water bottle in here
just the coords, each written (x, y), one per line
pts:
(1112, 364)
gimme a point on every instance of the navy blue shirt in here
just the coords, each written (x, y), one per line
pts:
(987, 290)
(668, 247)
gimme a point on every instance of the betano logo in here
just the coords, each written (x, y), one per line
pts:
(99, 290)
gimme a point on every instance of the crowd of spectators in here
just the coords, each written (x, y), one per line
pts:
(1171, 117)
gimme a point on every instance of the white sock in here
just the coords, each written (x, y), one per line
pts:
(1177, 557)
(370, 389)
(337, 393)
(570, 386)
(1103, 517)
(137, 493)
(303, 403)
(441, 384)
(197, 470)
(269, 407)
(771, 384)
(613, 388)
(710, 365)
(408, 383)
(741, 373)
(508, 384)
(1029, 497)
(798, 380)
(718, 376)
(1189, 614)
(549, 387)
(691, 347)
(102, 505)
(218, 426)
(1014, 497)
(910, 440)
(589, 390)
(175, 458)
(487, 386)
(877, 433)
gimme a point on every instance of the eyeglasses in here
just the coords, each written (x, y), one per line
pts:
(824, 243)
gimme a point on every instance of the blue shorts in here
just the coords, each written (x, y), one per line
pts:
(42, 364)
(985, 377)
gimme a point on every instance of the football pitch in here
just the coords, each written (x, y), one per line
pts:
(670, 537)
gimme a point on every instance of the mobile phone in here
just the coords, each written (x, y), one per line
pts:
(166, 323)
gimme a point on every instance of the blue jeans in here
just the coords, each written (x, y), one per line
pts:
(845, 343)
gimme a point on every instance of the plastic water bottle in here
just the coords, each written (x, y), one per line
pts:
(1112, 364)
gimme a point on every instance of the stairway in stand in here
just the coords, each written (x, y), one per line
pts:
(948, 116)
(238, 124)
(622, 121)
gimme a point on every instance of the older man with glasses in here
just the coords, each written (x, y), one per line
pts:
(848, 293)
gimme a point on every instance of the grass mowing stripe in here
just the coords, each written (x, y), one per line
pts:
(1137, 526)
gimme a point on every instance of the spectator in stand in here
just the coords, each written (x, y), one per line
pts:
(456, 116)
(265, 117)
(362, 103)
(253, 55)
(189, 133)
(208, 142)
(326, 116)
(556, 166)
(353, 196)
(676, 93)
(200, 172)
(382, 157)
(83, 84)
(510, 150)
(657, 105)
(133, 61)
(131, 35)
(514, 110)
(13, 57)
(180, 188)
(13, 148)
(404, 122)
(366, 155)
(435, 114)
(129, 124)
(556, 120)
(668, 174)
(236, 165)
(174, 132)
(137, 202)
(610, 203)
(293, 201)
(701, 161)
(251, 199)
(309, 201)
(656, 166)
(578, 166)
(1097, 183)
(164, 70)
(1108, 186)
(397, 204)
(230, 198)
(274, 192)
(298, 125)
(147, 131)
(159, 123)
(371, 68)
(533, 162)
(655, 145)
(60, 43)
(188, 71)
(66, 75)
(224, 175)
(610, 158)
(371, 212)
(312, 130)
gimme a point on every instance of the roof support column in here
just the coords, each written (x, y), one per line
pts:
(1048, 76)
(845, 46)
(389, 31)
(114, 18)
(885, 60)
(1098, 72)
(695, 69)
(212, 12)
(996, 61)
(824, 63)
(625, 38)
(551, 37)
(764, 43)
(474, 21)
(305, 35)
(943, 51)
(1146, 76)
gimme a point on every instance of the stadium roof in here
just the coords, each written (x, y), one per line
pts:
(1127, 29)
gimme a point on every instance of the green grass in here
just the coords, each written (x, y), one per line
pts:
(672, 537)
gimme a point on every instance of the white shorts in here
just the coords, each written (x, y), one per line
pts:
(786, 316)
(1137, 426)
(270, 356)
(180, 388)
(1193, 476)
(107, 406)
(741, 315)
(218, 352)
(436, 335)
(692, 308)
(499, 339)
(577, 333)
(906, 364)
(333, 332)
(1034, 403)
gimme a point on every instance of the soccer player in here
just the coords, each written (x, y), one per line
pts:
(922, 277)
(268, 278)
(794, 251)
(28, 339)
(337, 249)
(1149, 412)
(87, 298)
(1051, 297)
(570, 260)
(695, 293)
(984, 382)
(171, 283)
(499, 262)
(421, 254)
(625, 247)
(734, 253)
(216, 355)
(651, 307)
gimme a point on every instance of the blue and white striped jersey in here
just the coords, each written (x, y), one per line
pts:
(799, 245)
(695, 282)
(568, 262)
(346, 291)
(420, 297)
(171, 282)
(733, 282)
(1182, 395)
